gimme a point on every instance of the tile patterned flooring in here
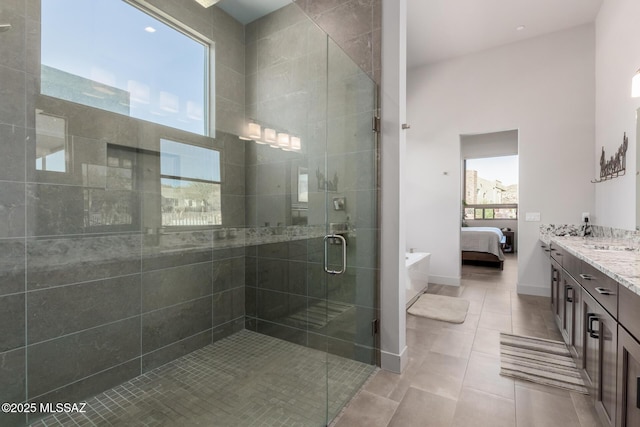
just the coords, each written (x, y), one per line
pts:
(452, 378)
(246, 379)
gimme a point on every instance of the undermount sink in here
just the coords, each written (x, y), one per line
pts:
(606, 247)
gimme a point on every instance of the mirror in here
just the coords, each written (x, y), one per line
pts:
(300, 199)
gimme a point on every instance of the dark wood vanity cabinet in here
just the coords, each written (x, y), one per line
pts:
(599, 357)
(570, 296)
(628, 395)
(584, 302)
(628, 379)
(590, 350)
(605, 392)
(556, 280)
(599, 347)
(600, 322)
(566, 297)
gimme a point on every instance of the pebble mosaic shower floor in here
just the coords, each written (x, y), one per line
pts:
(247, 379)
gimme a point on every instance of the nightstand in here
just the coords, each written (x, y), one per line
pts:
(509, 245)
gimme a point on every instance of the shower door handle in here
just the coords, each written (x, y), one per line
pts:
(343, 243)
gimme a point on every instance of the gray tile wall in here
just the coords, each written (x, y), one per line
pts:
(84, 308)
(355, 26)
(302, 83)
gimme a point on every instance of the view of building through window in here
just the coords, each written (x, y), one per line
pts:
(492, 182)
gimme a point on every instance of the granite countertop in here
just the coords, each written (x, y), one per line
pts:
(617, 258)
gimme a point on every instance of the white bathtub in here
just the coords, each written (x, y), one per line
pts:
(417, 265)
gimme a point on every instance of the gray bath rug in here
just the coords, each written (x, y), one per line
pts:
(440, 307)
(540, 361)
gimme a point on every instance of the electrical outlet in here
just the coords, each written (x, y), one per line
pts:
(532, 216)
(585, 217)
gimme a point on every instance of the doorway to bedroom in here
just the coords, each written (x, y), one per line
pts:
(489, 211)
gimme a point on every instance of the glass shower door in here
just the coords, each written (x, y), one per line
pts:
(312, 272)
(350, 187)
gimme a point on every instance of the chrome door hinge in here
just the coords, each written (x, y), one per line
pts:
(375, 326)
(376, 124)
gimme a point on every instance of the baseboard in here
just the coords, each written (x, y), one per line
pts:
(444, 280)
(534, 290)
(394, 362)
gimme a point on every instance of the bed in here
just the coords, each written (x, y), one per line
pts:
(482, 244)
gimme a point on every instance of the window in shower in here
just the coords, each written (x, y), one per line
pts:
(190, 185)
(114, 56)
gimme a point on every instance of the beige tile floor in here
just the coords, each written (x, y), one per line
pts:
(452, 378)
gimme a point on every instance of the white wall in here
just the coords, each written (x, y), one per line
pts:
(617, 59)
(544, 88)
(492, 144)
(393, 348)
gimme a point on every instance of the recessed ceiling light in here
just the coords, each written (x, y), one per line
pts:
(520, 27)
(150, 29)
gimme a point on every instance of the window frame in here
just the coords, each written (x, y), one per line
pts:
(162, 176)
(208, 86)
(486, 206)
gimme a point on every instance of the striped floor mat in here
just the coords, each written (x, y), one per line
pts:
(540, 361)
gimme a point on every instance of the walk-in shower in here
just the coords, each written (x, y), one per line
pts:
(188, 214)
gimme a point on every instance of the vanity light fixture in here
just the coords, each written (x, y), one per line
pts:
(635, 85)
(284, 141)
(251, 130)
(270, 136)
(255, 131)
(296, 144)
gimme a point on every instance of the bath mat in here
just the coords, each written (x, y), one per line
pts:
(440, 307)
(540, 361)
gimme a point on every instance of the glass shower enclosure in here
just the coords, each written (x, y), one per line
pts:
(187, 178)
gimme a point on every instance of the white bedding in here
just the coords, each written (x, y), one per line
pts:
(482, 239)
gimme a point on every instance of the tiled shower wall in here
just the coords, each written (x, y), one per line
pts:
(84, 307)
(300, 82)
(355, 26)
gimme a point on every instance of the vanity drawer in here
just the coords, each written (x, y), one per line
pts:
(602, 287)
(557, 253)
(629, 311)
(572, 264)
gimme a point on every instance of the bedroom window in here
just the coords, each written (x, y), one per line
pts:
(115, 56)
(491, 188)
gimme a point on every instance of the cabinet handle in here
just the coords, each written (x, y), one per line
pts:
(604, 291)
(547, 250)
(638, 392)
(586, 276)
(590, 318)
(566, 293)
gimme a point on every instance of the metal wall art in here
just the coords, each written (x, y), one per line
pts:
(616, 166)
(325, 184)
